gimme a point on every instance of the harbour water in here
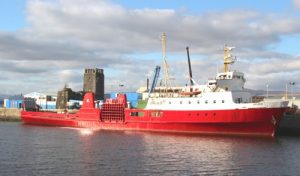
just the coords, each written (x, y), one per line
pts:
(35, 150)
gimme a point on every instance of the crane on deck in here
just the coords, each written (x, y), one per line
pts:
(155, 78)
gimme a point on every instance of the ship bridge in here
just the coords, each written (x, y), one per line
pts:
(231, 80)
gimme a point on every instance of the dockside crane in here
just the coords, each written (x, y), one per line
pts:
(155, 78)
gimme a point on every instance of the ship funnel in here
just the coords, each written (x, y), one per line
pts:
(122, 99)
(88, 100)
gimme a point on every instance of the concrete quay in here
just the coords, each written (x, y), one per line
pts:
(10, 114)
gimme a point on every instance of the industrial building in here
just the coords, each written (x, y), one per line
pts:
(66, 95)
(45, 101)
(93, 81)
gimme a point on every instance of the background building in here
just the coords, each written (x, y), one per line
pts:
(45, 101)
(93, 81)
(66, 95)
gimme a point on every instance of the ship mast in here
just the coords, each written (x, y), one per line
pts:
(165, 64)
(190, 68)
(228, 58)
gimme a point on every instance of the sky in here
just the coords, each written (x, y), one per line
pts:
(45, 44)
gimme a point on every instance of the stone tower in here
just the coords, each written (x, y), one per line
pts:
(93, 81)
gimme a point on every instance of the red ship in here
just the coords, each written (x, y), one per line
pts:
(222, 106)
(115, 116)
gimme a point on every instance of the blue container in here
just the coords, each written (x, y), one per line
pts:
(6, 103)
(133, 96)
(113, 95)
(19, 103)
(48, 105)
(51, 106)
(13, 103)
(133, 103)
(129, 95)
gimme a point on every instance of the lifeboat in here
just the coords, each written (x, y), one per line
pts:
(197, 92)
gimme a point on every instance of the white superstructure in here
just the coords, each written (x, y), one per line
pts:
(225, 91)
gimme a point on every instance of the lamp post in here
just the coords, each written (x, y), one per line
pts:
(292, 91)
(286, 91)
(121, 86)
(267, 90)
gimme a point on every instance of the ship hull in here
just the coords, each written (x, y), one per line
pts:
(249, 122)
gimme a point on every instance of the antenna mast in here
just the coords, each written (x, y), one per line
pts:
(228, 58)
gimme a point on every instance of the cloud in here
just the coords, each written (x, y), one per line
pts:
(112, 27)
(65, 36)
(275, 66)
(297, 3)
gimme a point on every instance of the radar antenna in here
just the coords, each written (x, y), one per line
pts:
(228, 58)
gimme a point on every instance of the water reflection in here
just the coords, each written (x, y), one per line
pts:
(200, 154)
(32, 150)
(81, 131)
(86, 132)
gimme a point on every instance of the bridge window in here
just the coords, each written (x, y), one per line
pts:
(156, 114)
(137, 114)
(206, 101)
(223, 101)
(215, 101)
(238, 100)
